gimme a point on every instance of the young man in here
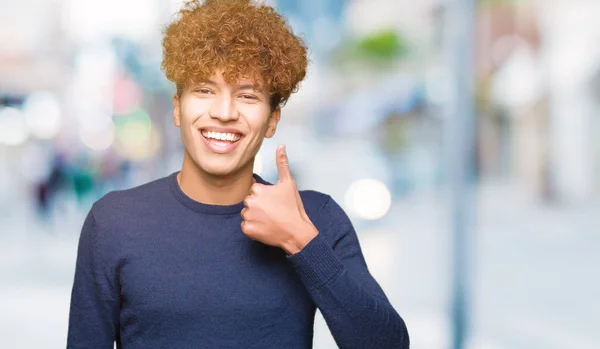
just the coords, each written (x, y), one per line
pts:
(213, 256)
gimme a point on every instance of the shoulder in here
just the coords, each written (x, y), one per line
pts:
(322, 209)
(121, 214)
(119, 204)
(329, 218)
(314, 201)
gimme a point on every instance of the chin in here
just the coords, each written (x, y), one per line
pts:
(219, 170)
(217, 165)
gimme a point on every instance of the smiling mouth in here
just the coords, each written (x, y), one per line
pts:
(221, 142)
(221, 136)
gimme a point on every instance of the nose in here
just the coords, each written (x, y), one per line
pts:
(223, 109)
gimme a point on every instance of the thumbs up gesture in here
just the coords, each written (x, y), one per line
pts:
(274, 214)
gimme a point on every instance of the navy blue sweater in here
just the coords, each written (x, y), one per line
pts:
(157, 269)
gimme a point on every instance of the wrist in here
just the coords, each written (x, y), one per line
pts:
(298, 241)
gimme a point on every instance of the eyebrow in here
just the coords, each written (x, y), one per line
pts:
(240, 87)
(249, 87)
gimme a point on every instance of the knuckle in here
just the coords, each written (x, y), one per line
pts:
(256, 188)
(245, 215)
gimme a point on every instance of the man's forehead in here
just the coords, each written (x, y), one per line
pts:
(239, 82)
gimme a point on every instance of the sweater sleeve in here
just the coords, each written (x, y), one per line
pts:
(94, 311)
(335, 274)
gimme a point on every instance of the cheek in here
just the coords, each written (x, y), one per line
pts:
(256, 117)
(192, 110)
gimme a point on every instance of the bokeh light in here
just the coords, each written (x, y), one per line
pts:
(127, 95)
(13, 129)
(368, 199)
(136, 138)
(100, 137)
(43, 115)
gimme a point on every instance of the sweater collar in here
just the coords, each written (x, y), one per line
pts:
(202, 207)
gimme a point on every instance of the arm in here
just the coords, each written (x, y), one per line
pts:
(94, 312)
(353, 304)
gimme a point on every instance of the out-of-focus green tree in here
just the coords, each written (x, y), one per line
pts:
(378, 50)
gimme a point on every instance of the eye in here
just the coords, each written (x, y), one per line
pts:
(247, 96)
(204, 91)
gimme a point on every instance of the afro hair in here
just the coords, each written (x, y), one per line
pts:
(243, 38)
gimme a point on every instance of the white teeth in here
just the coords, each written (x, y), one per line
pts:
(232, 137)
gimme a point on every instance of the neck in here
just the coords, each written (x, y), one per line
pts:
(211, 189)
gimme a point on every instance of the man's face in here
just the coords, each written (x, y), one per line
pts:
(223, 125)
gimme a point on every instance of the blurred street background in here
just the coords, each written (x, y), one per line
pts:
(85, 109)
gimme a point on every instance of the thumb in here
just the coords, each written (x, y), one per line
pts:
(283, 165)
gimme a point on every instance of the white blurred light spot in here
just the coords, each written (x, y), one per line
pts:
(518, 82)
(100, 138)
(13, 130)
(258, 164)
(42, 115)
(368, 198)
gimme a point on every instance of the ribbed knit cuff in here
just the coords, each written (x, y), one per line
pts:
(316, 263)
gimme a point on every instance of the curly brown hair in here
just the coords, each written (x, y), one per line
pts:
(243, 38)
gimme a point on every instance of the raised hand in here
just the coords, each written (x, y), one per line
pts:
(274, 214)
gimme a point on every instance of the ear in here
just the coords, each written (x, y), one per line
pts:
(272, 123)
(176, 110)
